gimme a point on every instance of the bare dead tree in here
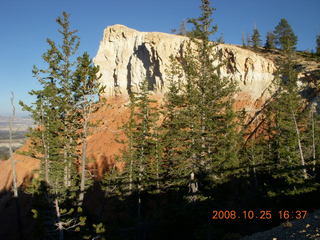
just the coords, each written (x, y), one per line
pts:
(87, 112)
(13, 166)
(305, 175)
(13, 162)
(313, 109)
(45, 145)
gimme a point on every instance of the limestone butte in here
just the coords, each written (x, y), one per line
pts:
(127, 56)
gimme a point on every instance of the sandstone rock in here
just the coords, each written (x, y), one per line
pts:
(127, 56)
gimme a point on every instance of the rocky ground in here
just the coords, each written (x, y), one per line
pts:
(306, 229)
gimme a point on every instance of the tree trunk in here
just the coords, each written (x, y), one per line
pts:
(45, 147)
(59, 222)
(13, 162)
(83, 170)
(141, 169)
(65, 163)
(46, 166)
(87, 112)
(66, 151)
(313, 140)
(13, 166)
(253, 164)
(130, 175)
(193, 185)
(158, 167)
(305, 175)
(131, 164)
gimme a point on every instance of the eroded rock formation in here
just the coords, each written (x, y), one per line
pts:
(127, 56)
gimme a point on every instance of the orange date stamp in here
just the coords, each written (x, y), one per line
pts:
(258, 214)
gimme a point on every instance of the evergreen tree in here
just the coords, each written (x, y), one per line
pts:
(211, 97)
(183, 31)
(243, 40)
(114, 182)
(200, 109)
(249, 40)
(284, 36)
(85, 87)
(270, 41)
(310, 138)
(256, 38)
(172, 136)
(61, 112)
(141, 162)
(285, 127)
(318, 45)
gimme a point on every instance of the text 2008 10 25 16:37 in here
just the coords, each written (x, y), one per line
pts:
(258, 214)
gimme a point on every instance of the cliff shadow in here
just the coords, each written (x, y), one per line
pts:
(151, 64)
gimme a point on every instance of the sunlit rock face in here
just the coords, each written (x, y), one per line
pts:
(127, 56)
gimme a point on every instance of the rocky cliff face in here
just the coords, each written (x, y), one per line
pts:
(127, 56)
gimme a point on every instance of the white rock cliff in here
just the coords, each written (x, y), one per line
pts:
(127, 56)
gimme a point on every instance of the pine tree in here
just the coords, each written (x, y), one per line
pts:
(249, 40)
(243, 40)
(256, 38)
(285, 129)
(183, 31)
(200, 109)
(140, 157)
(85, 88)
(114, 182)
(172, 136)
(128, 155)
(318, 45)
(310, 139)
(284, 36)
(270, 41)
(61, 111)
(212, 99)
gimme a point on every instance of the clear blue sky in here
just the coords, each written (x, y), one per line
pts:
(25, 25)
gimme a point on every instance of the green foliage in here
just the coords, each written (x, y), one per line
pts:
(202, 26)
(55, 140)
(284, 128)
(140, 132)
(270, 41)
(256, 38)
(99, 228)
(318, 45)
(113, 182)
(69, 88)
(284, 36)
(199, 133)
(35, 213)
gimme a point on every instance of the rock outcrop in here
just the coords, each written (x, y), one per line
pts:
(127, 56)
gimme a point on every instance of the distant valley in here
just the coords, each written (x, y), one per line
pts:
(20, 128)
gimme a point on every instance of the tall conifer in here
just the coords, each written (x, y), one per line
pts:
(270, 41)
(285, 37)
(285, 127)
(141, 162)
(256, 38)
(318, 45)
(61, 111)
(200, 108)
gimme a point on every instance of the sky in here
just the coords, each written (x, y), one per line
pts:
(26, 24)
